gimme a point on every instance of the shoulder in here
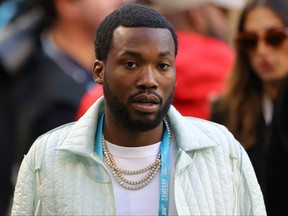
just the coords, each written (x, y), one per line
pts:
(198, 134)
(46, 144)
(55, 135)
(215, 139)
(213, 130)
(195, 127)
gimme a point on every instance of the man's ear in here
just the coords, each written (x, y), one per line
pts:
(98, 71)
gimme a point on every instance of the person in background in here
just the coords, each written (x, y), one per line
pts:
(247, 107)
(132, 146)
(7, 147)
(205, 55)
(7, 11)
(46, 53)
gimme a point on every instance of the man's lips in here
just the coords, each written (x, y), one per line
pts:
(146, 98)
(146, 103)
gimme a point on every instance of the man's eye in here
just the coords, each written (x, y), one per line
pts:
(163, 66)
(130, 64)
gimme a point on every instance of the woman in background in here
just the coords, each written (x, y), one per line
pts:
(251, 106)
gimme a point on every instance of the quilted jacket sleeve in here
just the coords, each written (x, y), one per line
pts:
(249, 199)
(250, 196)
(24, 195)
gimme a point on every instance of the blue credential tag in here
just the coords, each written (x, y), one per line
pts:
(165, 175)
(165, 165)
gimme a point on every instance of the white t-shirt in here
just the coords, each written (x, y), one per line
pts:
(144, 201)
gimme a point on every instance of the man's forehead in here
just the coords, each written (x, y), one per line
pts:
(145, 34)
(122, 32)
(137, 36)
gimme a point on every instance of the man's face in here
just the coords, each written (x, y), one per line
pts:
(139, 77)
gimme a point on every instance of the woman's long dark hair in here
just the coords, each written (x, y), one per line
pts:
(242, 102)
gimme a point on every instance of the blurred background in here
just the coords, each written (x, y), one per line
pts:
(47, 54)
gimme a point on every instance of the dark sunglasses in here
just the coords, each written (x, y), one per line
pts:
(273, 37)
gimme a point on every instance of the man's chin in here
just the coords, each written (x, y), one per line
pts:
(143, 124)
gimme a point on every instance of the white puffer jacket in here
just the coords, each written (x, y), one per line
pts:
(62, 175)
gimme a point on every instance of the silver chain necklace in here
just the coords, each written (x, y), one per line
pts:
(118, 172)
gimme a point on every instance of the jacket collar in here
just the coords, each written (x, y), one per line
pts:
(81, 137)
(191, 133)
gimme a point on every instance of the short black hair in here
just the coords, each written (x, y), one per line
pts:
(130, 15)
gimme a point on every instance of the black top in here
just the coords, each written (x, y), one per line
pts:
(269, 155)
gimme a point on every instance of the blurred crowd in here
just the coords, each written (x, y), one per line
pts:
(232, 68)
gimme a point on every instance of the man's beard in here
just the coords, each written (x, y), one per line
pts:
(120, 111)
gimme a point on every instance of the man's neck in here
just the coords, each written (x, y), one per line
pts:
(124, 137)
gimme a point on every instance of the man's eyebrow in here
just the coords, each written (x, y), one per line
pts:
(137, 54)
(162, 54)
(130, 53)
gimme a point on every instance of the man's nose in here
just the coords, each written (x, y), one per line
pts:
(147, 78)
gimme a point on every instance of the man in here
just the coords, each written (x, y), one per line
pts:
(205, 55)
(46, 54)
(132, 153)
